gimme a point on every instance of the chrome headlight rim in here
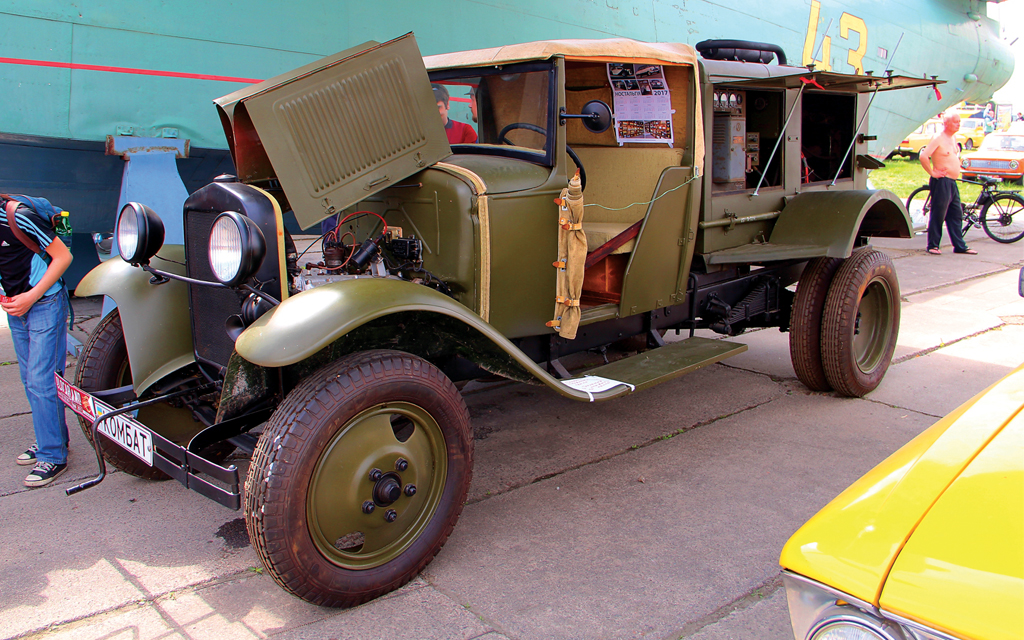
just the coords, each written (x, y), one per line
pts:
(138, 233)
(1014, 164)
(849, 619)
(228, 227)
(965, 163)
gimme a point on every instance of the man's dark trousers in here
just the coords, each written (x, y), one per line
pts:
(946, 207)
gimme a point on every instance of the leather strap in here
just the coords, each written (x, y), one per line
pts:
(12, 206)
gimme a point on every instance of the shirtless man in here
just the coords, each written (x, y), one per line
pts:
(941, 160)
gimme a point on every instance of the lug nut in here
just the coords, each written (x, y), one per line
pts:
(368, 506)
(375, 474)
(410, 490)
(401, 464)
(390, 515)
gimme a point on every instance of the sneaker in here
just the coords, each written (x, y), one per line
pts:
(29, 457)
(44, 473)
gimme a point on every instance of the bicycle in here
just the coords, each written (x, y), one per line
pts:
(1000, 213)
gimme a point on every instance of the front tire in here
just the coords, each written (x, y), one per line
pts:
(104, 365)
(920, 202)
(861, 323)
(1003, 218)
(328, 504)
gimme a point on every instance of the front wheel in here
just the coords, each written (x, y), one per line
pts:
(104, 365)
(1003, 218)
(359, 477)
(919, 203)
(861, 323)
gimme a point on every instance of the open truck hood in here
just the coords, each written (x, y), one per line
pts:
(337, 130)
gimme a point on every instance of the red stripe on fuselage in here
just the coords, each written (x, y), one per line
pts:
(139, 72)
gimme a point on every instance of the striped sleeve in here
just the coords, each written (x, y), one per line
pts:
(43, 235)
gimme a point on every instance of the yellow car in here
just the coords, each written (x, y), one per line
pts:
(929, 545)
(1000, 156)
(912, 144)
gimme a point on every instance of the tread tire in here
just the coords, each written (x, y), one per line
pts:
(806, 320)
(291, 445)
(104, 365)
(864, 270)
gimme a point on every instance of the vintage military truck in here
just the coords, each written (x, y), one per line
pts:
(715, 186)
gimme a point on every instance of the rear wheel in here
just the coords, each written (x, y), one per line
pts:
(861, 323)
(359, 477)
(805, 322)
(1003, 218)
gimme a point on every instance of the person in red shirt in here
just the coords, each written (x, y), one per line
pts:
(457, 132)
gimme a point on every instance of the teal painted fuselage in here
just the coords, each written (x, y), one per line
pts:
(75, 73)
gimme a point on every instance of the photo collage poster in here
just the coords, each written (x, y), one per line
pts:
(643, 105)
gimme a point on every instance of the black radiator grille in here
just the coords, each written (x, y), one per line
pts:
(211, 306)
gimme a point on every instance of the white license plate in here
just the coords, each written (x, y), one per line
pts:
(130, 434)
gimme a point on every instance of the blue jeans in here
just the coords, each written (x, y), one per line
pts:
(40, 341)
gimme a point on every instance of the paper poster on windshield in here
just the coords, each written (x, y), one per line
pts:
(643, 105)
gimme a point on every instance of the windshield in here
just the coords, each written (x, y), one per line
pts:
(502, 111)
(1003, 143)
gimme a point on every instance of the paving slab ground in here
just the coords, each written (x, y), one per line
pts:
(657, 516)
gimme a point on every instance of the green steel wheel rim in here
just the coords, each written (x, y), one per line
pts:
(874, 325)
(378, 438)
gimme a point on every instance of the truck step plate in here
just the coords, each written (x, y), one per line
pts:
(673, 360)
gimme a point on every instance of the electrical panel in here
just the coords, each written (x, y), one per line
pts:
(735, 152)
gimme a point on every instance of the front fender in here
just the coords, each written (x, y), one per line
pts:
(304, 324)
(834, 219)
(155, 318)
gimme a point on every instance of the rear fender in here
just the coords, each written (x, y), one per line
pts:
(320, 325)
(833, 220)
(155, 318)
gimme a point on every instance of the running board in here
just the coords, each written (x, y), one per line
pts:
(650, 368)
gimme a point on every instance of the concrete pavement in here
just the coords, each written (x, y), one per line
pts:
(660, 515)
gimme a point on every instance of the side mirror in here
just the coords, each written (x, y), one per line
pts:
(600, 116)
(596, 116)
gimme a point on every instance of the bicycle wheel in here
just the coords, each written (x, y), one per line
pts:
(919, 204)
(1003, 218)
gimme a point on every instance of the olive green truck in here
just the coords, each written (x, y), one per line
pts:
(614, 191)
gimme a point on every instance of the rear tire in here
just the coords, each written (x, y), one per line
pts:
(861, 323)
(805, 322)
(316, 505)
(1003, 218)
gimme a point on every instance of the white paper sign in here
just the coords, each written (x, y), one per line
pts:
(595, 384)
(643, 105)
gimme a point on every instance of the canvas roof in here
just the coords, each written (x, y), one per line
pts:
(606, 50)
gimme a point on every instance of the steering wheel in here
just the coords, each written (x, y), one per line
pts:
(532, 127)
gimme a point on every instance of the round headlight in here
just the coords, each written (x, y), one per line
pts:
(966, 163)
(1013, 164)
(237, 248)
(139, 233)
(845, 630)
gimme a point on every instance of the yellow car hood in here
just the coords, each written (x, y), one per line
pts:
(963, 569)
(853, 542)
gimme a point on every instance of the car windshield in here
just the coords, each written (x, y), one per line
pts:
(507, 109)
(1003, 143)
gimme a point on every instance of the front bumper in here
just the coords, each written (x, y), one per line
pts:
(220, 484)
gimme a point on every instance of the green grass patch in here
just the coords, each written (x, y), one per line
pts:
(903, 175)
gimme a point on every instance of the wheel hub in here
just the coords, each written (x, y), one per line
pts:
(387, 490)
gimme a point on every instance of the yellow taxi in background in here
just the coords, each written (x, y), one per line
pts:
(929, 545)
(1001, 155)
(912, 144)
